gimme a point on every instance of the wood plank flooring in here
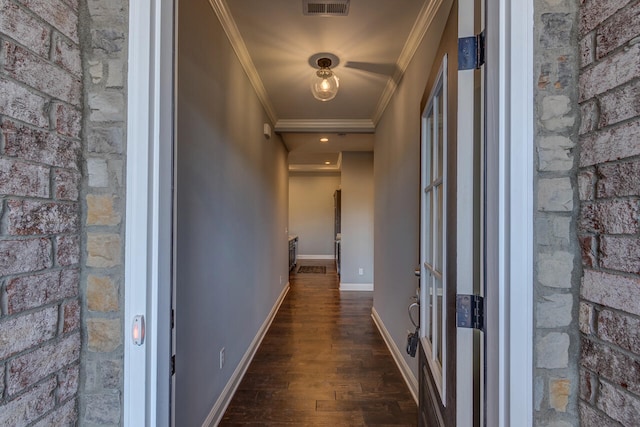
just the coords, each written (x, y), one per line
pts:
(322, 363)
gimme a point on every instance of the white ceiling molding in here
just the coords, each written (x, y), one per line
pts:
(423, 21)
(418, 31)
(317, 168)
(314, 168)
(357, 125)
(233, 34)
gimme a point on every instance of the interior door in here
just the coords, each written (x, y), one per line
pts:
(451, 372)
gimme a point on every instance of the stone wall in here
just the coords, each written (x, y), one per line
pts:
(40, 173)
(608, 227)
(62, 125)
(103, 30)
(557, 267)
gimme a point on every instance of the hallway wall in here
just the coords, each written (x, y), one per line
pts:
(311, 211)
(357, 219)
(232, 202)
(396, 183)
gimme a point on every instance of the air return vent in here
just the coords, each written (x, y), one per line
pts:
(325, 7)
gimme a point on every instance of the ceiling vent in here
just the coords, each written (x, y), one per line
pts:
(325, 7)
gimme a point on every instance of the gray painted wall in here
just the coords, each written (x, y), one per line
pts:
(311, 211)
(357, 217)
(397, 179)
(231, 213)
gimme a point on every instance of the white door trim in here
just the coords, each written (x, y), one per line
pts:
(464, 263)
(147, 287)
(515, 135)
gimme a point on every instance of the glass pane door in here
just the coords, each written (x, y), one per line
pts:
(432, 226)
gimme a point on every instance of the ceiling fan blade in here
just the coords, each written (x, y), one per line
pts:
(388, 70)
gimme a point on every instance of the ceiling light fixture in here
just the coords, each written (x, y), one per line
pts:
(324, 83)
(324, 139)
(327, 163)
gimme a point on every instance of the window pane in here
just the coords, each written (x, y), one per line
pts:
(428, 149)
(439, 316)
(434, 141)
(429, 327)
(440, 125)
(433, 244)
(428, 225)
(438, 214)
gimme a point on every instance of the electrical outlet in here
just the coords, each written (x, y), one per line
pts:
(222, 358)
(361, 271)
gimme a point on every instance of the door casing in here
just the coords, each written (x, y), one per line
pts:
(147, 284)
(149, 205)
(510, 112)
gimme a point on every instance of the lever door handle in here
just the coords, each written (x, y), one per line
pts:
(412, 305)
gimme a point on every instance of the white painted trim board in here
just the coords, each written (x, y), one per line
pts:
(360, 287)
(331, 257)
(516, 115)
(147, 264)
(325, 125)
(218, 409)
(465, 221)
(139, 110)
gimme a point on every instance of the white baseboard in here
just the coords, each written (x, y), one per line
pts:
(332, 257)
(407, 374)
(216, 413)
(356, 286)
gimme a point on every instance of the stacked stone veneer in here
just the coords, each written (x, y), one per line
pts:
(557, 267)
(62, 113)
(609, 230)
(40, 173)
(103, 27)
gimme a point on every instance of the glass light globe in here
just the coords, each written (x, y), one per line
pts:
(324, 83)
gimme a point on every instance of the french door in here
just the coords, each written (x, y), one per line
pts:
(436, 365)
(451, 367)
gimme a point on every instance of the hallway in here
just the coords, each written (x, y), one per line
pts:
(322, 362)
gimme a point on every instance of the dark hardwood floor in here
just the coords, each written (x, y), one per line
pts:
(322, 363)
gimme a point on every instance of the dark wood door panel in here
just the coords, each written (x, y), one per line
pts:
(430, 413)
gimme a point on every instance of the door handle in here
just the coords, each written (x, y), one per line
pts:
(412, 305)
(417, 272)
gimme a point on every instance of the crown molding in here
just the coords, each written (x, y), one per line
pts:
(314, 169)
(337, 168)
(233, 34)
(325, 125)
(423, 21)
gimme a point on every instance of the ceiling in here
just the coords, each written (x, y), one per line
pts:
(276, 44)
